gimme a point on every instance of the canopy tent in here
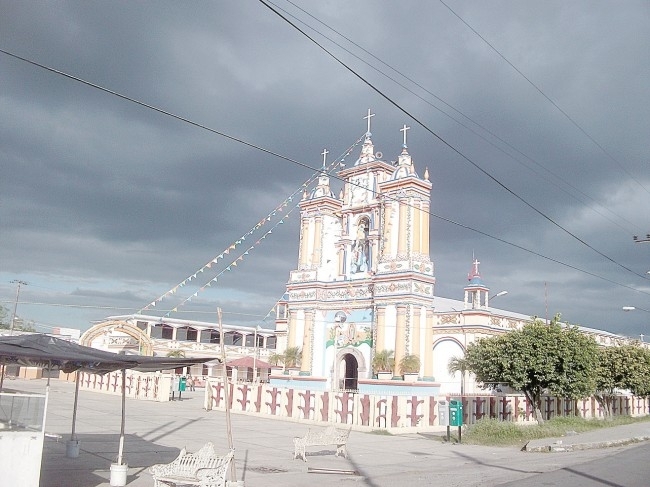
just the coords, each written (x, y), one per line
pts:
(248, 363)
(41, 349)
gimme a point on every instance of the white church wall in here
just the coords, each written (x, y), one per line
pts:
(443, 350)
(330, 260)
(390, 326)
(319, 356)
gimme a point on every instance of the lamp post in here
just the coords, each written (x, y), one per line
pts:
(13, 317)
(634, 308)
(500, 293)
(257, 328)
(339, 319)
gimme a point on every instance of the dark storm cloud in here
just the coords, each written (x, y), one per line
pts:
(103, 199)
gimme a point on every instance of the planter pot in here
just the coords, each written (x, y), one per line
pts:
(411, 377)
(118, 474)
(72, 448)
(294, 372)
(384, 375)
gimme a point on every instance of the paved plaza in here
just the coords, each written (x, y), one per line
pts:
(155, 433)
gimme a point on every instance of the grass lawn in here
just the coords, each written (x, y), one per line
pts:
(490, 432)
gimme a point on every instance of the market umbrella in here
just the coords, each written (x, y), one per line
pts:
(42, 349)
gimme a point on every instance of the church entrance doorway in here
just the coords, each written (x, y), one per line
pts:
(351, 375)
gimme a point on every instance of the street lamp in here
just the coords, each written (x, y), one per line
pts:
(632, 308)
(13, 318)
(339, 319)
(500, 293)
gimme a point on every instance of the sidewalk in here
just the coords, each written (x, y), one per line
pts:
(155, 433)
(601, 438)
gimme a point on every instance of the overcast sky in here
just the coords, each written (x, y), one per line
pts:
(539, 162)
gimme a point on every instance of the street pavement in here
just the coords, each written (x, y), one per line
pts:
(156, 432)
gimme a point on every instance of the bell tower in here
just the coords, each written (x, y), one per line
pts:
(364, 281)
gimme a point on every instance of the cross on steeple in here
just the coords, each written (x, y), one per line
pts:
(324, 154)
(368, 117)
(404, 129)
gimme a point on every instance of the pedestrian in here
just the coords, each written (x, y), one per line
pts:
(190, 383)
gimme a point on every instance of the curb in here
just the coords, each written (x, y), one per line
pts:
(558, 446)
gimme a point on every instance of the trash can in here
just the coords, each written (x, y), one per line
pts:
(443, 416)
(181, 384)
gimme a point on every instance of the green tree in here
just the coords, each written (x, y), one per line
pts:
(540, 358)
(638, 377)
(615, 370)
(176, 353)
(383, 361)
(292, 356)
(621, 368)
(276, 359)
(458, 364)
(409, 364)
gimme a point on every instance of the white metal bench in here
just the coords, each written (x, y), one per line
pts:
(329, 436)
(203, 468)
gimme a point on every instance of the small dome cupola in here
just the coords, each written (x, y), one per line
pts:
(404, 167)
(476, 292)
(323, 187)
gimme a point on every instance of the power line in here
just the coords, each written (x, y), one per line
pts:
(449, 145)
(304, 165)
(539, 90)
(571, 194)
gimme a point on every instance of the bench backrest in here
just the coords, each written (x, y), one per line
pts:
(189, 463)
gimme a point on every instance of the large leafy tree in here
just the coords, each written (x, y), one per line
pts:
(539, 358)
(625, 367)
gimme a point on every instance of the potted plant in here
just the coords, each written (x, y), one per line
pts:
(292, 356)
(409, 366)
(383, 364)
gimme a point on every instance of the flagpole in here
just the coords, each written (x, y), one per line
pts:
(226, 396)
(255, 357)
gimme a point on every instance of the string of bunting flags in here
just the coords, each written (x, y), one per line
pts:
(264, 221)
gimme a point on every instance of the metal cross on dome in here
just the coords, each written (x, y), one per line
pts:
(368, 117)
(404, 129)
(324, 154)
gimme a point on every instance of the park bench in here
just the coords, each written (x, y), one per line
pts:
(203, 468)
(329, 436)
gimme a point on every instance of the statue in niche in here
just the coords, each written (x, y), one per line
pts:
(361, 249)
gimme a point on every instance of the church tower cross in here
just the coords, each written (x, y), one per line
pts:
(324, 154)
(404, 129)
(368, 117)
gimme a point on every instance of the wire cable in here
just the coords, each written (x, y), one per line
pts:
(449, 145)
(304, 165)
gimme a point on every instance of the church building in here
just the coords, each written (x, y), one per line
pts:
(365, 281)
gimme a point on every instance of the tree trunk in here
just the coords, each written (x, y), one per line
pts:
(536, 402)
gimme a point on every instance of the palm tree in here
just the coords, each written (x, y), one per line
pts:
(458, 364)
(276, 359)
(176, 353)
(383, 361)
(292, 356)
(410, 364)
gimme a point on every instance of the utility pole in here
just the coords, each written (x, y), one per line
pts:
(13, 317)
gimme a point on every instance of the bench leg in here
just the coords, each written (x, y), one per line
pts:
(341, 450)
